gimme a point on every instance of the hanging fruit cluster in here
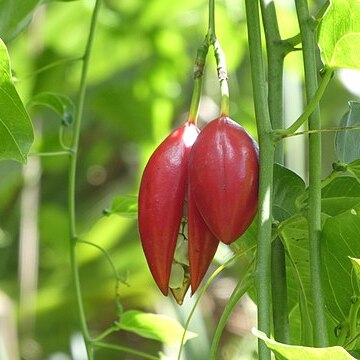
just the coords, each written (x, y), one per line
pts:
(197, 189)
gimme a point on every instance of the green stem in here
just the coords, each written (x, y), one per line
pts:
(314, 214)
(241, 288)
(266, 146)
(346, 345)
(276, 54)
(300, 200)
(72, 181)
(222, 76)
(343, 334)
(125, 349)
(311, 106)
(295, 40)
(319, 131)
(353, 318)
(211, 31)
(50, 66)
(104, 334)
(220, 60)
(198, 80)
(109, 259)
(52, 153)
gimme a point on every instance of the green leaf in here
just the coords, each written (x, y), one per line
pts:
(59, 103)
(354, 169)
(339, 35)
(124, 205)
(287, 187)
(153, 326)
(294, 234)
(339, 241)
(291, 352)
(342, 194)
(347, 141)
(15, 15)
(355, 353)
(16, 132)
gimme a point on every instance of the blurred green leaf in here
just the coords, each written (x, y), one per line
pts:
(153, 326)
(339, 35)
(16, 131)
(339, 241)
(15, 15)
(347, 141)
(124, 205)
(59, 103)
(287, 187)
(288, 352)
(342, 194)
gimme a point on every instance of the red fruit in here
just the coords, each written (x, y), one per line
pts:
(161, 201)
(202, 244)
(223, 178)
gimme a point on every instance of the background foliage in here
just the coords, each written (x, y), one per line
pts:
(140, 85)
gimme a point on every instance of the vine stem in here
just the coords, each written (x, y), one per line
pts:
(276, 51)
(311, 106)
(141, 354)
(314, 214)
(319, 131)
(72, 180)
(241, 288)
(50, 66)
(266, 158)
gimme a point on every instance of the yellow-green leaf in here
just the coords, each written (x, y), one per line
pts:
(291, 352)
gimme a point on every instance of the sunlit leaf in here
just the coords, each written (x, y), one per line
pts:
(59, 103)
(153, 326)
(291, 352)
(347, 141)
(339, 35)
(124, 205)
(16, 131)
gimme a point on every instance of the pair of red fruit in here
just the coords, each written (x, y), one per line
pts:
(197, 189)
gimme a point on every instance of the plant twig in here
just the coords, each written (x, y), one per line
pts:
(314, 214)
(72, 180)
(125, 349)
(276, 55)
(318, 131)
(241, 288)
(266, 157)
(311, 106)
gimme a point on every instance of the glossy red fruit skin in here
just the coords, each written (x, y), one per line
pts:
(224, 176)
(202, 244)
(161, 200)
